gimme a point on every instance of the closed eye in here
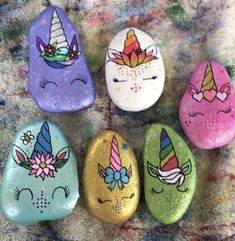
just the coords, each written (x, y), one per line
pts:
(157, 192)
(65, 189)
(153, 77)
(117, 81)
(130, 197)
(18, 192)
(45, 82)
(103, 201)
(81, 79)
(226, 110)
(193, 114)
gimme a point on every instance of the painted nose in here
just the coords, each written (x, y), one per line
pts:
(136, 88)
(41, 202)
(211, 123)
(117, 206)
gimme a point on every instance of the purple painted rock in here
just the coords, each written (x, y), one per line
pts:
(207, 109)
(59, 78)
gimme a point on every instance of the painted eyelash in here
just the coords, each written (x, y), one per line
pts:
(154, 191)
(44, 82)
(18, 192)
(103, 201)
(226, 110)
(81, 78)
(66, 191)
(117, 81)
(130, 197)
(153, 77)
(193, 114)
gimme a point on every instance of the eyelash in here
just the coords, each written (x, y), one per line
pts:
(82, 79)
(193, 114)
(117, 81)
(131, 196)
(153, 77)
(66, 191)
(44, 82)
(18, 192)
(226, 110)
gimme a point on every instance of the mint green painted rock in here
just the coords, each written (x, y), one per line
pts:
(40, 180)
(169, 174)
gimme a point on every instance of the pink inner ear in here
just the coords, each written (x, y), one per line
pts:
(193, 90)
(129, 172)
(101, 171)
(20, 156)
(226, 88)
(61, 156)
(41, 47)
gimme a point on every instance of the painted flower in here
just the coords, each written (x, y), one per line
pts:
(72, 54)
(27, 137)
(50, 50)
(43, 166)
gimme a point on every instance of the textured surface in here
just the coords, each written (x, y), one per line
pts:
(186, 33)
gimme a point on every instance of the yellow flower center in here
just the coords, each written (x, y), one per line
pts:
(42, 165)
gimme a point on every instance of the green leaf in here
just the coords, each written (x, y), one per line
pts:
(26, 165)
(152, 170)
(60, 163)
(187, 166)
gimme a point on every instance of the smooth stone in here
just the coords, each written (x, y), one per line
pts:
(40, 180)
(111, 182)
(134, 70)
(207, 108)
(59, 78)
(169, 174)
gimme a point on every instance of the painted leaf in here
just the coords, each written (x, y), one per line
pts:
(26, 165)
(134, 59)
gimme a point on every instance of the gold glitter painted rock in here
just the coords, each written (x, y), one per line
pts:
(169, 174)
(111, 179)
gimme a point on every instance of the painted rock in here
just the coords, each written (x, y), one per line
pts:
(110, 178)
(207, 109)
(134, 70)
(59, 78)
(40, 180)
(169, 174)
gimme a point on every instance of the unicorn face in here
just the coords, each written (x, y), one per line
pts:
(59, 78)
(169, 174)
(134, 70)
(111, 186)
(207, 109)
(40, 179)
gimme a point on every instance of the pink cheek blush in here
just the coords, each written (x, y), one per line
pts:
(207, 108)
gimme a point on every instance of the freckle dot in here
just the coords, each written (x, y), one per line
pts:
(41, 211)
(48, 203)
(45, 206)
(33, 203)
(37, 206)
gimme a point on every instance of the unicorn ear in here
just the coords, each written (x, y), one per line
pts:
(129, 172)
(74, 43)
(186, 168)
(151, 50)
(226, 88)
(193, 90)
(101, 171)
(20, 157)
(152, 170)
(40, 44)
(63, 154)
(112, 53)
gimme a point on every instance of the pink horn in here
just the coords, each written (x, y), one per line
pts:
(115, 160)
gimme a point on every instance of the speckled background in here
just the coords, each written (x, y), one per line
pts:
(186, 32)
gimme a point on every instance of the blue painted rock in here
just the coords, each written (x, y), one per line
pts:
(59, 78)
(134, 70)
(169, 174)
(111, 179)
(40, 180)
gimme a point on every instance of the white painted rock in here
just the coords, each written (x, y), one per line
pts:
(134, 70)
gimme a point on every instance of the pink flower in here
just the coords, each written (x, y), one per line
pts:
(43, 165)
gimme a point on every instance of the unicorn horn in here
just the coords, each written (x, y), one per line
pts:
(43, 143)
(208, 82)
(57, 34)
(167, 153)
(131, 43)
(115, 160)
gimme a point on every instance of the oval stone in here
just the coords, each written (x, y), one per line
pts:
(207, 109)
(134, 70)
(110, 178)
(40, 180)
(59, 78)
(169, 174)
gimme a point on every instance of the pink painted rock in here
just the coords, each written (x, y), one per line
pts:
(207, 109)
